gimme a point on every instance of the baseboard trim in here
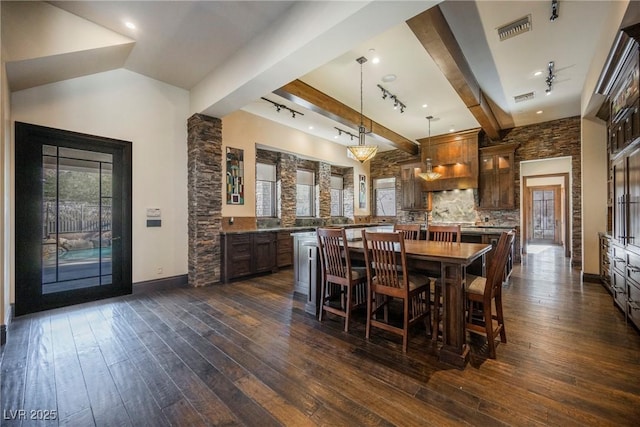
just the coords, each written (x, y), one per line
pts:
(591, 278)
(3, 334)
(163, 284)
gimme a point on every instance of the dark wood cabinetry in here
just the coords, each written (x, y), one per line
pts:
(244, 254)
(605, 263)
(284, 257)
(413, 196)
(455, 157)
(496, 189)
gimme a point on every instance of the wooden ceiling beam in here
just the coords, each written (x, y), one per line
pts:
(311, 98)
(433, 31)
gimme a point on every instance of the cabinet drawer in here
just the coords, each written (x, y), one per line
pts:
(619, 289)
(633, 267)
(285, 259)
(633, 307)
(618, 259)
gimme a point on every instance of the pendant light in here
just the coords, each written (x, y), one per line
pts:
(362, 152)
(429, 174)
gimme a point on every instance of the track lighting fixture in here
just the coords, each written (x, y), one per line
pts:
(396, 102)
(554, 10)
(550, 77)
(340, 132)
(281, 106)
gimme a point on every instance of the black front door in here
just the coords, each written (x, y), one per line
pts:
(73, 218)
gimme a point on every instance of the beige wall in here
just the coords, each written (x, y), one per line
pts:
(152, 115)
(594, 191)
(244, 130)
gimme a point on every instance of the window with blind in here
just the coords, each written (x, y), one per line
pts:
(305, 195)
(265, 190)
(337, 195)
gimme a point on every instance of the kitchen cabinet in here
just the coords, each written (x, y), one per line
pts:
(245, 254)
(497, 166)
(284, 255)
(455, 157)
(412, 195)
(605, 263)
(626, 198)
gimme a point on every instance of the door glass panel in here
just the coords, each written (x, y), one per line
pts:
(77, 196)
(487, 163)
(543, 215)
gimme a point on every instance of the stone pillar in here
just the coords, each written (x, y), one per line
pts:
(204, 194)
(349, 194)
(286, 176)
(324, 192)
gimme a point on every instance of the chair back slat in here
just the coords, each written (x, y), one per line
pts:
(384, 262)
(444, 233)
(495, 272)
(334, 259)
(409, 231)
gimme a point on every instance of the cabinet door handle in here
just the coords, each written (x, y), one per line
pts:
(618, 259)
(633, 305)
(617, 289)
(633, 268)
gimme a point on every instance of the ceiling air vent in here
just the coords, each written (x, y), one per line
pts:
(515, 28)
(524, 97)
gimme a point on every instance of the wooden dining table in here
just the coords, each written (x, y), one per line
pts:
(450, 260)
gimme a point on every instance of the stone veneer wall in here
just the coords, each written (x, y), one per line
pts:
(556, 138)
(204, 164)
(286, 176)
(324, 192)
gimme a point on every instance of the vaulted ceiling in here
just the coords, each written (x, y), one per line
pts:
(229, 55)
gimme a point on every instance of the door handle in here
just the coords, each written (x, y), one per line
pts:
(115, 238)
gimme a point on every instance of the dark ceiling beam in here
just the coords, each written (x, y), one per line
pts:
(433, 31)
(311, 98)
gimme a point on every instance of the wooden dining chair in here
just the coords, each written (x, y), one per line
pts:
(409, 231)
(343, 286)
(483, 292)
(440, 233)
(386, 260)
(444, 233)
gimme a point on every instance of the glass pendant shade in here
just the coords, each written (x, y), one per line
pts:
(429, 174)
(362, 152)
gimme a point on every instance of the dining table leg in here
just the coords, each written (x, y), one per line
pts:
(455, 350)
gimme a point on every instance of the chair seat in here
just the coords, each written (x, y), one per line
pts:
(416, 281)
(358, 273)
(476, 284)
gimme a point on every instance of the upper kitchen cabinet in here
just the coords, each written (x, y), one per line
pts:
(413, 196)
(496, 189)
(455, 157)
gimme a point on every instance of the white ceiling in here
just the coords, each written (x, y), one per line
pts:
(185, 43)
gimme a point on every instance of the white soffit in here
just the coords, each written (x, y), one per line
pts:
(43, 44)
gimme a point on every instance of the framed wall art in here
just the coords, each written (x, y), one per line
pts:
(235, 176)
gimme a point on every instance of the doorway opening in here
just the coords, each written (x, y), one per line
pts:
(73, 218)
(546, 212)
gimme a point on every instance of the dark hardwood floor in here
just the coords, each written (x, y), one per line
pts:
(246, 353)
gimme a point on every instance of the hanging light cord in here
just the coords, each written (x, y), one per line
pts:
(361, 102)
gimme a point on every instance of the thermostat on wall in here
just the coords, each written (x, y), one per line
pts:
(154, 217)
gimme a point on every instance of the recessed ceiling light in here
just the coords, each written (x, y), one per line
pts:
(310, 127)
(389, 78)
(452, 130)
(424, 105)
(335, 137)
(375, 60)
(537, 73)
(130, 25)
(539, 112)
